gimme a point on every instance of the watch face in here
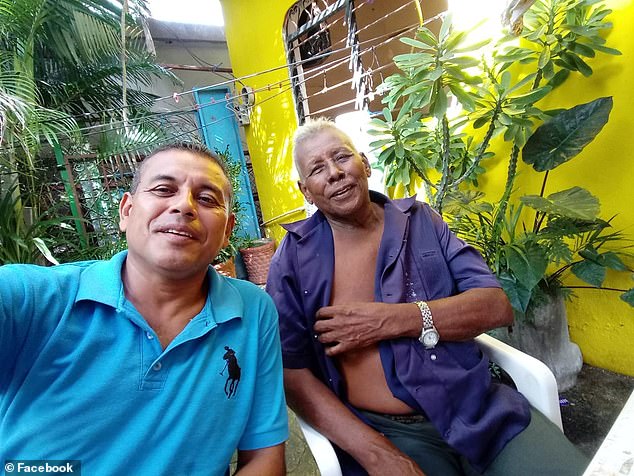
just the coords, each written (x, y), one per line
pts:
(430, 338)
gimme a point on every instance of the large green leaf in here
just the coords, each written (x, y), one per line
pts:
(565, 135)
(590, 272)
(528, 262)
(628, 297)
(575, 202)
(518, 295)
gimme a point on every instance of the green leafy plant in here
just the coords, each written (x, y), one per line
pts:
(566, 235)
(61, 87)
(23, 241)
(236, 241)
(421, 135)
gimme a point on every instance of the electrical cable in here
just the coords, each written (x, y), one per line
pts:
(334, 63)
(270, 70)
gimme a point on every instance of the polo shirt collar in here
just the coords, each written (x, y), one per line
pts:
(101, 282)
(223, 299)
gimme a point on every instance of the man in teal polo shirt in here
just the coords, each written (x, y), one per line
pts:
(150, 363)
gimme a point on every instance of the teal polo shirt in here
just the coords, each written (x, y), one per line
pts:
(84, 377)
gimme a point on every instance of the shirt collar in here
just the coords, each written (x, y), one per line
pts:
(302, 228)
(101, 282)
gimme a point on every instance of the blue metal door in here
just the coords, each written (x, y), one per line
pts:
(220, 129)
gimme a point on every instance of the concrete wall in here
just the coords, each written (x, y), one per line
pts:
(254, 37)
(193, 45)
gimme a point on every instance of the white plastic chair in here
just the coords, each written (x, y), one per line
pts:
(531, 376)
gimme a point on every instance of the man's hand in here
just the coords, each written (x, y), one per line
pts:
(347, 327)
(353, 326)
(320, 407)
(381, 454)
(398, 464)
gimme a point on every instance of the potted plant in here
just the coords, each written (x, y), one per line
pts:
(419, 136)
(257, 254)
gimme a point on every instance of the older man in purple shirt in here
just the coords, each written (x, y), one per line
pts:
(379, 303)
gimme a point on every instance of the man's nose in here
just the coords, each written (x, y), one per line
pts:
(335, 172)
(184, 203)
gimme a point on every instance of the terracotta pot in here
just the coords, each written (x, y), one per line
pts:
(227, 268)
(257, 259)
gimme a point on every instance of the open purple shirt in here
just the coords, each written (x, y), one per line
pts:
(418, 259)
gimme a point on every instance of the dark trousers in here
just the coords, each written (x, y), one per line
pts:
(541, 449)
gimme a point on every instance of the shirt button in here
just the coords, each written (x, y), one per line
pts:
(149, 335)
(157, 366)
(433, 357)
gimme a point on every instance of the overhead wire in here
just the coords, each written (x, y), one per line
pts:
(387, 37)
(306, 77)
(333, 64)
(251, 75)
(200, 127)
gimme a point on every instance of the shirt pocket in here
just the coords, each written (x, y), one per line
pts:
(434, 274)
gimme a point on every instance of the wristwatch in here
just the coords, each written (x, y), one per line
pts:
(429, 336)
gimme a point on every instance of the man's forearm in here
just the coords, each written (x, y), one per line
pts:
(468, 314)
(269, 461)
(320, 407)
(346, 327)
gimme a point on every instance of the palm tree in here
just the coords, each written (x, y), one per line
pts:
(64, 69)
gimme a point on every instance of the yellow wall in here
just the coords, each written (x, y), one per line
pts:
(255, 41)
(600, 323)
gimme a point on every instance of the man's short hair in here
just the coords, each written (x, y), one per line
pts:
(312, 127)
(197, 149)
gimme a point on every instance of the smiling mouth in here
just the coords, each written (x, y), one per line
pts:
(184, 234)
(342, 191)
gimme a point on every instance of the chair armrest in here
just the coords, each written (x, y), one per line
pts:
(531, 376)
(322, 450)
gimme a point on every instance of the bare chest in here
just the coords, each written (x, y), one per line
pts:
(355, 268)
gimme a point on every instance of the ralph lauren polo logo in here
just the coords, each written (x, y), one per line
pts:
(233, 372)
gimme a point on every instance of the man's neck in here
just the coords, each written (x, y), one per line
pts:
(368, 219)
(167, 304)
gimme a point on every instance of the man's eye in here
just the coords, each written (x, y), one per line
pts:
(343, 158)
(162, 190)
(208, 200)
(316, 170)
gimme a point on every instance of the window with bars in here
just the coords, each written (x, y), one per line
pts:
(339, 51)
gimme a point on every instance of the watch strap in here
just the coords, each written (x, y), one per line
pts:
(425, 312)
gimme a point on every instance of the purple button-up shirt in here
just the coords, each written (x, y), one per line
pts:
(419, 259)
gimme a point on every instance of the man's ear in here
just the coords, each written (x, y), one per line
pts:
(231, 222)
(366, 164)
(305, 192)
(124, 210)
